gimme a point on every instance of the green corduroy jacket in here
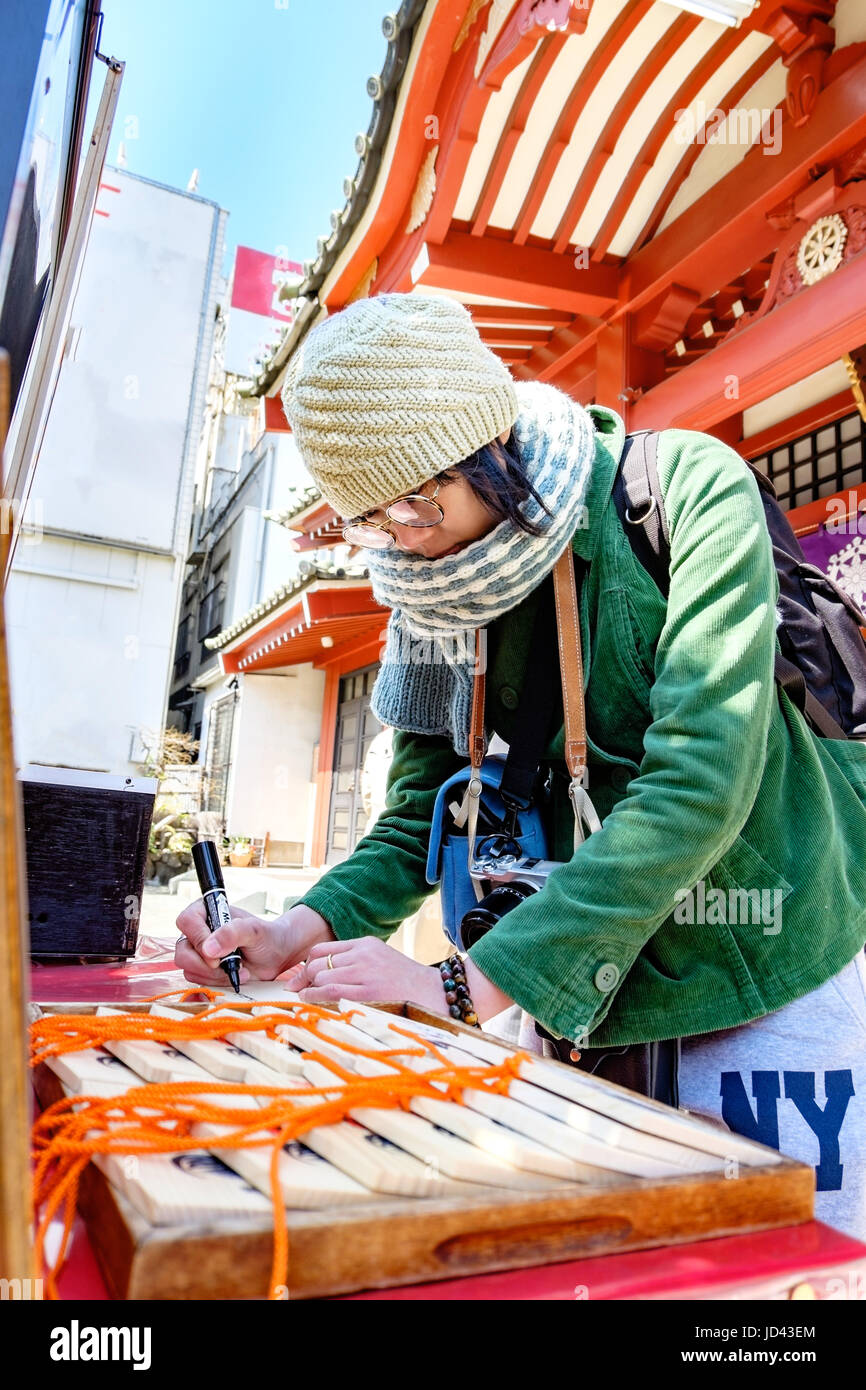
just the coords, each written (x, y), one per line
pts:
(711, 789)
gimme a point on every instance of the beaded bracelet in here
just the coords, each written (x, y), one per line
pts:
(457, 995)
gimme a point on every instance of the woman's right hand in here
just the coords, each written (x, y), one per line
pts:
(268, 947)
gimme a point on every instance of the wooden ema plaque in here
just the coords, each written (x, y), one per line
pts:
(526, 1193)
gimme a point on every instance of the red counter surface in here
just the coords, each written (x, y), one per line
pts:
(810, 1260)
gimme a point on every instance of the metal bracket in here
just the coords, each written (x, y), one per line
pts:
(114, 63)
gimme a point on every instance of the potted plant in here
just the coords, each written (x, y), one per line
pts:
(240, 851)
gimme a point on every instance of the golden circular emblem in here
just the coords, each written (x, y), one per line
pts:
(820, 251)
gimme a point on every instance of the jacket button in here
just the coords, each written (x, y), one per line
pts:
(606, 977)
(509, 697)
(620, 778)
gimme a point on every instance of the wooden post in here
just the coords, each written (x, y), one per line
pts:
(325, 768)
(610, 369)
(15, 1243)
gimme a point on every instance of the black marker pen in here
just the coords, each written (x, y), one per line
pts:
(216, 904)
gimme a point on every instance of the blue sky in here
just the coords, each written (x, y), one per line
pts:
(263, 97)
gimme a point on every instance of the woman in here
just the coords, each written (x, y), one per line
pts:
(707, 780)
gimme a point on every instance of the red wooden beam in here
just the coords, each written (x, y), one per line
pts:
(706, 245)
(310, 611)
(515, 356)
(528, 274)
(809, 517)
(458, 110)
(513, 314)
(611, 367)
(275, 416)
(730, 431)
(662, 321)
(685, 94)
(341, 598)
(583, 387)
(304, 544)
(545, 56)
(802, 334)
(605, 145)
(585, 84)
(510, 337)
(316, 514)
(518, 35)
(325, 767)
(310, 647)
(684, 167)
(463, 100)
(560, 355)
(280, 623)
(360, 649)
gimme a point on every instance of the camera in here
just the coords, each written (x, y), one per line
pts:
(514, 876)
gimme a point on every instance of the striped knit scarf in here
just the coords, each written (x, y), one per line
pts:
(425, 681)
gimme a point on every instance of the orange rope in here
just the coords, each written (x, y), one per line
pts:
(159, 1118)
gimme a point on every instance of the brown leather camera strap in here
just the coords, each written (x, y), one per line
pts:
(574, 713)
(570, 664)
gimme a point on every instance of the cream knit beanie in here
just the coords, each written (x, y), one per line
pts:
(390, 391)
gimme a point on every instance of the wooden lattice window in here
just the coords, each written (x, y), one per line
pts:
(218, 755)
(819, 464)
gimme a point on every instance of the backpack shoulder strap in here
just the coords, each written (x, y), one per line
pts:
(793, 682)
(638, 500)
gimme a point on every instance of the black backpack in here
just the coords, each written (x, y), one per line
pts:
(822, 663)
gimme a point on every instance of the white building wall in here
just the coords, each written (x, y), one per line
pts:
(91, 609)
(290, 472)
(279, 560)
(88, 640)
(277, 724)
(232, 436)
(262, 554)
(111, 461)
(279, 564)
(244, 564)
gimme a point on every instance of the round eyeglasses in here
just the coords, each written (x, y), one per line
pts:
(412, 510)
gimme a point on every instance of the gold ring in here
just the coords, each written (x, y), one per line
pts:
(330, 962)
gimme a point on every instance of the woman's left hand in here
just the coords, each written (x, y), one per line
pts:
(366, 969)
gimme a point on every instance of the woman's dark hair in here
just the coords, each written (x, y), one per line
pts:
(502, 492)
